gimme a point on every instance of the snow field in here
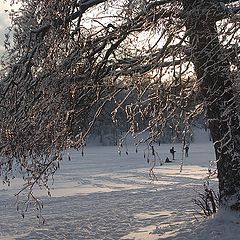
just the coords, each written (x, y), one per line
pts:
(102, 195)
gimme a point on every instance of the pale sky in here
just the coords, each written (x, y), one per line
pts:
(4, 22)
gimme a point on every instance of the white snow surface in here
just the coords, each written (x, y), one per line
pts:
(104, 196)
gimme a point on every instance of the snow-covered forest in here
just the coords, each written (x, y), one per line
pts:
(130, 76)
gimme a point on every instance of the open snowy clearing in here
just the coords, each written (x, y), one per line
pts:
(102, 195)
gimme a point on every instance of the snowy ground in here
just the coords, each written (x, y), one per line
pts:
(106, 196)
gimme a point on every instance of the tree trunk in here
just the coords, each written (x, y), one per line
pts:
(216, 88)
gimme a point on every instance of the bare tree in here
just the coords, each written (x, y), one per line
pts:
(163, 61)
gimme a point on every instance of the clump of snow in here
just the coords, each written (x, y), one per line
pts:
(225, 225)
(226, 216)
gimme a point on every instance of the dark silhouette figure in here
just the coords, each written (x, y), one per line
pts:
(172, 151)
(167, 160)
(186, 150)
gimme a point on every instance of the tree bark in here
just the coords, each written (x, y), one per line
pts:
(216, 88)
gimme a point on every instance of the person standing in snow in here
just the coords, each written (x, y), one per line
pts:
(186, 150)
(172, 151)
